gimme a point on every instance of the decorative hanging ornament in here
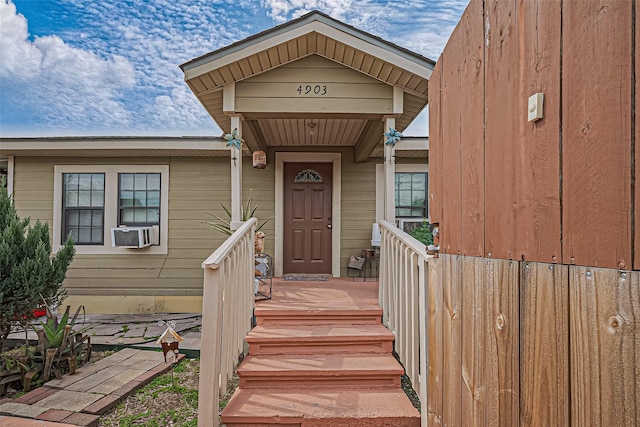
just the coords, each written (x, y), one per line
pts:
(259, 159)
(393, 136)
(234, 139)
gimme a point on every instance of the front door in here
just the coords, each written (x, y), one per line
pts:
(307, 218)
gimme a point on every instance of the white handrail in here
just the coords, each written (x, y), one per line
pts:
(227, 308)
(403, 296)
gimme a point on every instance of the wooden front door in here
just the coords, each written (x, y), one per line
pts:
(307, 218)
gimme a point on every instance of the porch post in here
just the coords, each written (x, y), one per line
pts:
(236, 176)
(389, 174)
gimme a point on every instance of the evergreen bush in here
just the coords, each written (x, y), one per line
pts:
(422, 233)
(29, 274)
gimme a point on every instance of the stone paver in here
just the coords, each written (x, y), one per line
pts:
(74, 401)
(99, 377)
(103, 405)
(24, 422)
(21, 410)
(87, 420)
(117, 381)
(79, 399)
(54, 415)
(34, 395)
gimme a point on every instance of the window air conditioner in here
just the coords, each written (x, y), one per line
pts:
(131, 237)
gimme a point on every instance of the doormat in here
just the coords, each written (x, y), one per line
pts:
(306, 277)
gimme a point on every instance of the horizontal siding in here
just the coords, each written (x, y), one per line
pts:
(197, 187)
(358, 208)
(333, 87)
(133, 286)
(33, 189)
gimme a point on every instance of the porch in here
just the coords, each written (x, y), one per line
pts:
(321, 351)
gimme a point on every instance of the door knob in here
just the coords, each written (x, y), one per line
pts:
(328, 225)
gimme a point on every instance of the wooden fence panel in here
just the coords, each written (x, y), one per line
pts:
(636, 205)
(450, 230)
(538, 197)
(502, 324)
(604, 307)
(451, 339)
(596, 132)
(501, 135)
(544, 344)
(436, 360)
(435, 143)
(472, 133)
(474, 330)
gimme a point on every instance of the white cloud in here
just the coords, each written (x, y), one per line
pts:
(181, 111)
(282, 10)
(113, 65)
(48, 82)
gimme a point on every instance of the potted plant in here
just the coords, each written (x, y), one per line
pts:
(248, 210)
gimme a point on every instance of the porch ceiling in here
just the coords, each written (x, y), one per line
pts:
(312, 34)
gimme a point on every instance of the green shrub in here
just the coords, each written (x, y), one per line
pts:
(29, 273)
(423, 234)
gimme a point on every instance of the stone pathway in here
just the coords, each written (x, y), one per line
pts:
(138, 330)
(80, 399)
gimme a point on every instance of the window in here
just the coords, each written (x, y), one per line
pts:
(83, 208)
(411, 194)
(90, 200)
(139, 199)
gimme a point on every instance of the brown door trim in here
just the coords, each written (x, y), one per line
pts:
(308, 157)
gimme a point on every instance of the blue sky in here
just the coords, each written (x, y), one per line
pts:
(82, 67)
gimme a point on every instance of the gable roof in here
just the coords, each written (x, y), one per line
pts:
(284, 31)
(312, 34)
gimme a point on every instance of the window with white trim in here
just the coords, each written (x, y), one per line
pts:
(83, 208)
(139, 199)
(90, 200)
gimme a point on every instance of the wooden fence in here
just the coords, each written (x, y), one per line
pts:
(227, 309)
(532, 344)
(562, 189)
(533, 298)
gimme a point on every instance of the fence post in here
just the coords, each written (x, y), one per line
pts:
(208, 388)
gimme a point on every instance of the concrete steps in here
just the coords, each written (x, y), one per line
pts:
(311, 339)
(320, 408)
(320, 371)
(321, 362)
(318, 313)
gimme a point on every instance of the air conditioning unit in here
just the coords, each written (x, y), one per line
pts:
(131, 237)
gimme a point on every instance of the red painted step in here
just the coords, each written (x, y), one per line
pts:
(320, 357)
(320, 408)
(320, 371)
(320, 339)
(317, 313)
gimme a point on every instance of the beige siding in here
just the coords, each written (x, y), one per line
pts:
(197, 187)
(358, 208)
(261, 181)
(314, 84)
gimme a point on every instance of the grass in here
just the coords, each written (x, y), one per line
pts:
(168, 400)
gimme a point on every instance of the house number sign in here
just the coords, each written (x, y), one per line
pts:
(311, 90)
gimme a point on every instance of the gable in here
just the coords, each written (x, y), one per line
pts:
(313, 84)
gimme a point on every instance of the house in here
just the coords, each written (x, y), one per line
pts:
(314, 94)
